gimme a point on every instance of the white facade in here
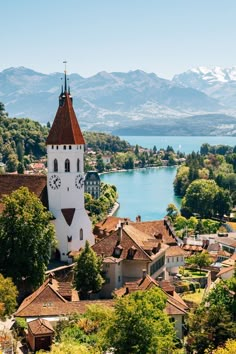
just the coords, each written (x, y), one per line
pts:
(65, 184)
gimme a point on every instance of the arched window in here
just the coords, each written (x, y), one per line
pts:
(78, 163)
(55, 165)
(67, 165)
(81, 235)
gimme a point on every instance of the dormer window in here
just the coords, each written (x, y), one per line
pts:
(55, 165)
(117, 251)
(67, 165)
(131, 252)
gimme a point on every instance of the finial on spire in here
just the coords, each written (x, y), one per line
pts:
(65, 62)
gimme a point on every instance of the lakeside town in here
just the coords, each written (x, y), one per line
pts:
(74, 279)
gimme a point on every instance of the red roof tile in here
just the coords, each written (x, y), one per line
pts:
(65, 128)
(35, 183)
(40, 327)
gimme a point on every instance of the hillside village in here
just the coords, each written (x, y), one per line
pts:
(137, 276)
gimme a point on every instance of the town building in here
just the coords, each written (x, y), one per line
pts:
(65, 180)
(92, 184)
(126, 252)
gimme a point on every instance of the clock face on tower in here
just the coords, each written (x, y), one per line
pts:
(79, 181)
(54, 182)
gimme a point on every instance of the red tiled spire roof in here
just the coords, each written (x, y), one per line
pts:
(65, 128)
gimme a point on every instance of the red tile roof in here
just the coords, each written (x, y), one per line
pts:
(138, 242)
(65, 128)
(156, 227)
(35, 183)
(40, 327)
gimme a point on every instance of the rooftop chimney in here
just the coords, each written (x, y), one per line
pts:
(120, 231)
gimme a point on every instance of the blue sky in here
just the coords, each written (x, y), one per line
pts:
(161, 36)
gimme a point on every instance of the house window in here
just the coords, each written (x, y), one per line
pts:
(67, 165)
(168, 260)
(78, 165)
(177, 259)
(119, 278)
(55, 165)
(81, 236)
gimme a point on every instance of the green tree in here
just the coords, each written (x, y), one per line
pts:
(140, 324)
(200, 197)
(200, 260)
(12, 163)
(88, 272)
(20, 168)
(228, 348)
(136, 150)
(8, 295)
(100, 166)
(172, 212)
(209, 327)
(26, 238)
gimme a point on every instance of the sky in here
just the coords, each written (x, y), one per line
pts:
(165, 37)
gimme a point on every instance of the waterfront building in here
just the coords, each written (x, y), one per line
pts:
(92, 184)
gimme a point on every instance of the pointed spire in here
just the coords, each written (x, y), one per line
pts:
(65, 62)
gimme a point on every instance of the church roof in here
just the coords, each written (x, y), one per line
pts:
(65, 128)
(35, 183)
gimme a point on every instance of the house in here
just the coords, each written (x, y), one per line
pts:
(175, 258)
(39, 334)
(106, 159)
(92, 184)
(176, 308)
(54, 300)
(126, 252)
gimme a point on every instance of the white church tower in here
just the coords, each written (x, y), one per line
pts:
(65, 180)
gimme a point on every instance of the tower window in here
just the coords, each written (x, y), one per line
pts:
(64, 147)
(67, 165)
(55, 165)
(57, 147)
(69, 147)
(81, 236)
(78, 165)
(52, 146)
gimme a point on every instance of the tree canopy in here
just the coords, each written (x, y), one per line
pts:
(26, 238)
(140, 324)
(8, 295)
(87, 276)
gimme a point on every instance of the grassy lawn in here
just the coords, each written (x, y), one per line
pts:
(194, 273)
(194, 297)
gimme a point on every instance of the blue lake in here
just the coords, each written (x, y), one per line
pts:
(147, 192)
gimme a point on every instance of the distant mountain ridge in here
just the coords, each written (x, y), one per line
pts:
(111, 101)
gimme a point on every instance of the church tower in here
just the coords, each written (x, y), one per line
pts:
(65, 180)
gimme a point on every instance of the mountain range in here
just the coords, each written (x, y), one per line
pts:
(200, 101)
